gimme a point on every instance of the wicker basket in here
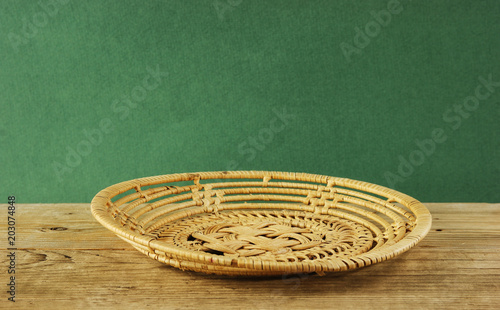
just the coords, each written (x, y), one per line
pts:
(260, 223)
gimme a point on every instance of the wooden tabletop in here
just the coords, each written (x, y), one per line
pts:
(65, 259)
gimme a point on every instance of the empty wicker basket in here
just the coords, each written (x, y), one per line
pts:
(261, 223)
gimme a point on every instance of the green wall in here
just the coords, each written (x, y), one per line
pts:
(402, 94)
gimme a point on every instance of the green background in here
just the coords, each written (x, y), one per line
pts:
(66, 67)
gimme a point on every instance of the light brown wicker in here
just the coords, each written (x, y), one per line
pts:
(261, 223)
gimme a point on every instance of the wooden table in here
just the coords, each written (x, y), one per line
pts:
(65, 259)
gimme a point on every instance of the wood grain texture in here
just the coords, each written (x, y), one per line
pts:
(65, 259)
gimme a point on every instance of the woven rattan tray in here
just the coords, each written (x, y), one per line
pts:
(261, 223)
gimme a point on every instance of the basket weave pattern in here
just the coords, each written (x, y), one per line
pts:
(260, 222)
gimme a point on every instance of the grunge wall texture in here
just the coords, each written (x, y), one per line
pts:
(404, 94)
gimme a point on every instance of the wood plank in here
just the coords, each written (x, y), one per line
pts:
(72, 225)
(43, 226)
(98, 277)
(457, 266)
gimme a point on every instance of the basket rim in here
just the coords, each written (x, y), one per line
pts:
(423, 219)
